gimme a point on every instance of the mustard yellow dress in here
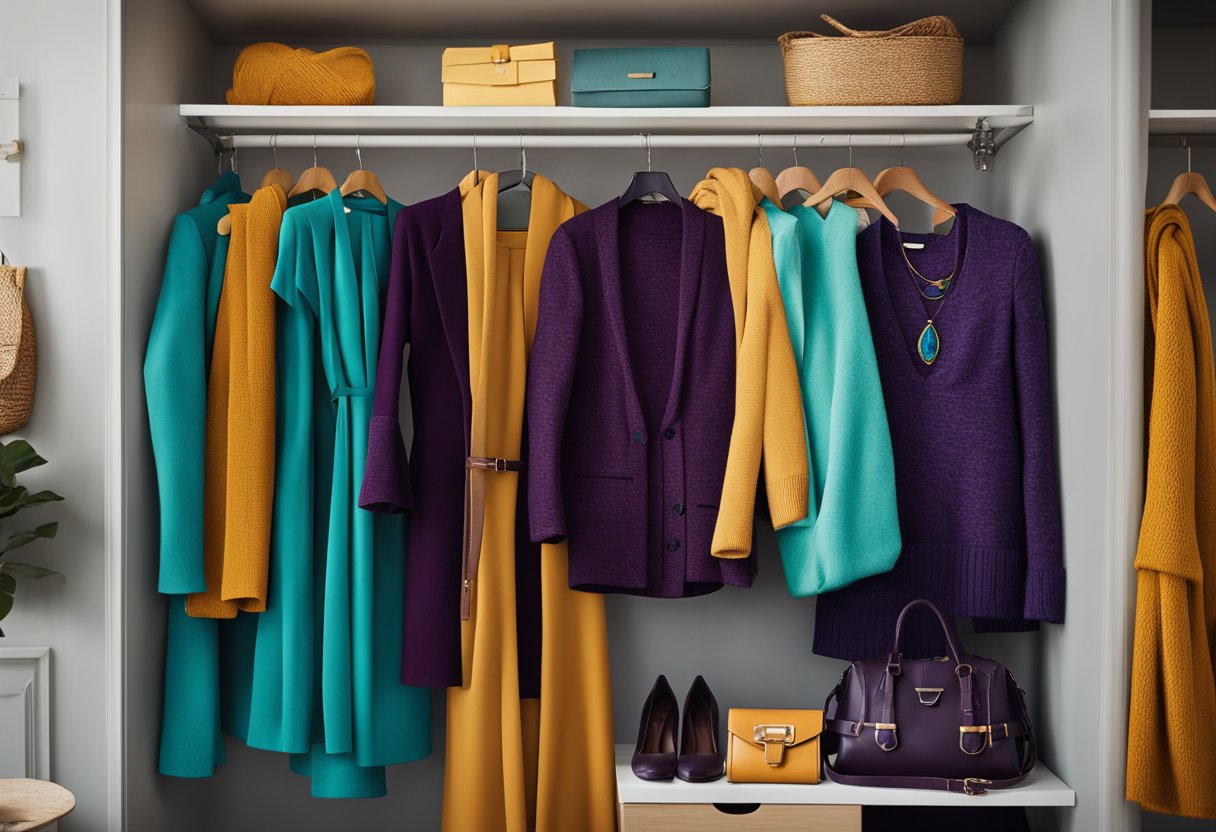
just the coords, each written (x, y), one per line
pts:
(516, 764)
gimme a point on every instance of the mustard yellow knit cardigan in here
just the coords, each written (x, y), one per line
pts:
(1171, 746)
(768, 403)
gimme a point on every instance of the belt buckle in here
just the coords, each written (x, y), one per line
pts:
(500, 465)
(775, 739)
(974, 786)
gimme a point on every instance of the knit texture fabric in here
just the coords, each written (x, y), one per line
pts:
(272, 73)
(973, 441)
(238, 470)
(769, 422)
(852, 529)
(1172, 722)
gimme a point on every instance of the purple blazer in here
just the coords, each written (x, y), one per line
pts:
(631, 399)
(427, 308)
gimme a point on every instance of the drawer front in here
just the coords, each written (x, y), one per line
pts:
(767, 817)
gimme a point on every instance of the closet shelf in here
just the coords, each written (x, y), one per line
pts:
(1166, 127)
(1041, 788)
(961, 119)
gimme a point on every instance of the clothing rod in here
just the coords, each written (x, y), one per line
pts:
(771, 142)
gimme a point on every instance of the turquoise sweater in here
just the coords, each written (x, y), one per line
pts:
(852, 530)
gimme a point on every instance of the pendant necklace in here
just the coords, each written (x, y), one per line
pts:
(929, 343)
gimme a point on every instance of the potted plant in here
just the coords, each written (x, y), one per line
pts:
(17, 457)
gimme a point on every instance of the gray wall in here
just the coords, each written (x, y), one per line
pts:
(62, 236)
(1183, 64)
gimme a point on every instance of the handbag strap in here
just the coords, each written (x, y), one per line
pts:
(948, 628)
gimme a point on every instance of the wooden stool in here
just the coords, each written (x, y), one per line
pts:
(26, 805)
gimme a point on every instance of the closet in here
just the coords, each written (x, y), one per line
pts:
(1058, 84)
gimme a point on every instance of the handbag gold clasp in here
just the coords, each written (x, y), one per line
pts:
(974, 786)
(775, 739)
(964, 730)
(500, 53)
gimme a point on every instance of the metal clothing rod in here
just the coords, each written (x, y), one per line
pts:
(773, 142)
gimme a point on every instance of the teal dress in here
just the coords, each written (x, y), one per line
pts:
(852, 529)
(326, 666)
(175, 382)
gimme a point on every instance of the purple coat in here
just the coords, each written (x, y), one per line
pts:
(427, 308)
(631, 400)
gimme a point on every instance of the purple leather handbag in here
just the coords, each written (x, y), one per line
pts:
(957, 723)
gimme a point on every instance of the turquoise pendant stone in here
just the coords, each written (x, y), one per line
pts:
(928, 345)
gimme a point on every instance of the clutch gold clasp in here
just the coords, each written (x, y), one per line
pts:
(640, 75)
(775, 738)
(500, 53)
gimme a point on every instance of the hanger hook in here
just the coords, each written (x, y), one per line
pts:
(795, 149)
(233, 160)
(850, 150)
(274, 148)
(903, 143)
(314, 150)
(646, 136)
(760, 148)
(476, 167)
(1187, 148)
(359, 150)
(523, 158)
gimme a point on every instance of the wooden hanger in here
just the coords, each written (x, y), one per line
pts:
(316, 178)
(903, 178)
(761, 178)
(363, 180)
(275, 176)
(855, 180)
(796, 178)
(1190, 183)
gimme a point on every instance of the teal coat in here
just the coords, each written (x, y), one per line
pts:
(175, 382)
(852, 529)
(327, 662)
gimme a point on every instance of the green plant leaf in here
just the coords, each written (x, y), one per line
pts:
(6, 606)
(21, 455)
(18, 539)
(13, 500)
(8, 584)
(29, 570)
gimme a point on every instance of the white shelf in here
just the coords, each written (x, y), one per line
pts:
(1040, 788)
(1180, 122)
(224, 119)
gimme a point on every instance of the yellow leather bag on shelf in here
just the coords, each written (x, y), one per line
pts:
(481, 76)
(767, 745)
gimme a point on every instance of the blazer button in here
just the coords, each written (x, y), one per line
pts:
(670, 433)
(639, 438)
(673, 543)
(678, 509)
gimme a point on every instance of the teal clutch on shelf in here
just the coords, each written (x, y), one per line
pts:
(644, 77)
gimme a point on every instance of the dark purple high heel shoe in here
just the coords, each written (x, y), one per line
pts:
(700, 760)
(654, 757)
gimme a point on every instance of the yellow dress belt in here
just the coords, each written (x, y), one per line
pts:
(475, 517)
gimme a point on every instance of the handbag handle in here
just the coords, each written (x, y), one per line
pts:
(947, 627)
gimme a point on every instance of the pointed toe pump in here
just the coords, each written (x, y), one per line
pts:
(654, 758)
(700, 759)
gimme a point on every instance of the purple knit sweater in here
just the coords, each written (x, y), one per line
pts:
(973, 441)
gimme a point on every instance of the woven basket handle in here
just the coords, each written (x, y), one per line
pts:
(937, 26)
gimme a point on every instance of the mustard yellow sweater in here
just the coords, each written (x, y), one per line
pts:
(1171, 744)
(238, 469)
(768, 403)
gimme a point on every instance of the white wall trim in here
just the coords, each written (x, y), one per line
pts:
(1126, 134)
(115, 492)
(38, 707)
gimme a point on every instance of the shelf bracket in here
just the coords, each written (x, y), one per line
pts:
(220, 145)
(983, 145)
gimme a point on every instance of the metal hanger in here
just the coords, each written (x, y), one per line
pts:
(851, 179)
(316, 178)
(650, 182)
(514, 209)
(277, 175)
(1189, 183)
(517, 178)
(363, 180)
(760, 176)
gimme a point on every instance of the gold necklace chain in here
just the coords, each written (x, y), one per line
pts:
(939, 283)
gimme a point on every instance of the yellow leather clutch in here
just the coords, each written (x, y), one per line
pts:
(766, 745)
(500, 76)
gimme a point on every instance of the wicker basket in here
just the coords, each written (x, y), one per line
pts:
(918, 63)
(18, 350)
